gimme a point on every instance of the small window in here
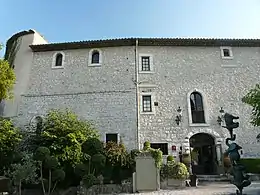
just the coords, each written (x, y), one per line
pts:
(59, 59)
(95, 57)
(226, 52)
(147, 103)
(197, 110)
(146, 63)
(112, 137)
(162, 146)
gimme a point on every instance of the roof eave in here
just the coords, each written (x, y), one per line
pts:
(147, 42)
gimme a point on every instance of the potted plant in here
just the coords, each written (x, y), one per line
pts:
(175, 173)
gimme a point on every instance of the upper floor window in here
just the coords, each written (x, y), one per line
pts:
(147, 103)
(58, 60)
(226, 53)
(146, 63)
(95, 57)
(197, 108)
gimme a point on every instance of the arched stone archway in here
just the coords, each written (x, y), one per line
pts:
(210, 132)
(203, 153)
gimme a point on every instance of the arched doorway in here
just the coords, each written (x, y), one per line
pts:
(203, 154)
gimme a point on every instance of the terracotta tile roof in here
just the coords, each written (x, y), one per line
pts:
(199, 42)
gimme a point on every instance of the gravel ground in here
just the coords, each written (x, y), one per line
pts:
(208, 189)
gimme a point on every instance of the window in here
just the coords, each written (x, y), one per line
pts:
(147, 103)
(162, 146)
(226, 53)
(146, 63)
(197, 110)
(95, 57)
(58, 61)
(112, 137)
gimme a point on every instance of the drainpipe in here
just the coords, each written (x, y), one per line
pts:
(137, 92)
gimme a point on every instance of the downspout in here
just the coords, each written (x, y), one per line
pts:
(137, 92)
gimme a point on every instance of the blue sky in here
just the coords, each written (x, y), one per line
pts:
(64, 20)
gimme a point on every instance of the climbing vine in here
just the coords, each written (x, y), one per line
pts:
(155, 153)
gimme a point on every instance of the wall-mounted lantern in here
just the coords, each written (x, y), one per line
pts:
(258, 138)
(179, 116)
(220, 118)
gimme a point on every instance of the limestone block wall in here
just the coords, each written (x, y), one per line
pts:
(180, 70)
(103, 94)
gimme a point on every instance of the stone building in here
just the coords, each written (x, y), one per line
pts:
(171, 92)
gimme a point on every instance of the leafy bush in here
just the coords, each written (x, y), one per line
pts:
(170, 158)
(252, 164)
(89, 180)
(146, 145)
(9, 141)
(23, 171)
(116, 154)
(81, 170)
(173, 170)
(64, 133)
(93, 146)
(51, 163)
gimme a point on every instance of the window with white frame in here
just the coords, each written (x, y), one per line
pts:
(197, 108)
(95, 57)
(58, 60)
(147, 103)
(112, 137)
(226, 53)
(145, 63)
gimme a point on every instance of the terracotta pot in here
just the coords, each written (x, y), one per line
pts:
(186, 159)
(227, 162)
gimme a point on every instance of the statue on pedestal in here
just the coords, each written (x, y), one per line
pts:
(241, 179)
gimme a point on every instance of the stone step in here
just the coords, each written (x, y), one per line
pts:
(224, 178)
(213, 178)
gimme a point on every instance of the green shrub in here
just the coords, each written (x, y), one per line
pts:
(147, 145)
(92, 146)
(89, 180)
(252, 164)
(80, 170)
(170, 158)
(116, 154)
(173, 170)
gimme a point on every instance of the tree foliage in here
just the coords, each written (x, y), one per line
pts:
(7, 79)
(23, 171)
(64, 133)
(9, 141)
(51, 163)
(253, 99)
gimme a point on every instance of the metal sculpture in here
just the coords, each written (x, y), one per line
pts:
(241, 179)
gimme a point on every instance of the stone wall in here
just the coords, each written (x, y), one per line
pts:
(180, 70)
(103, 94)
(111, 112)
